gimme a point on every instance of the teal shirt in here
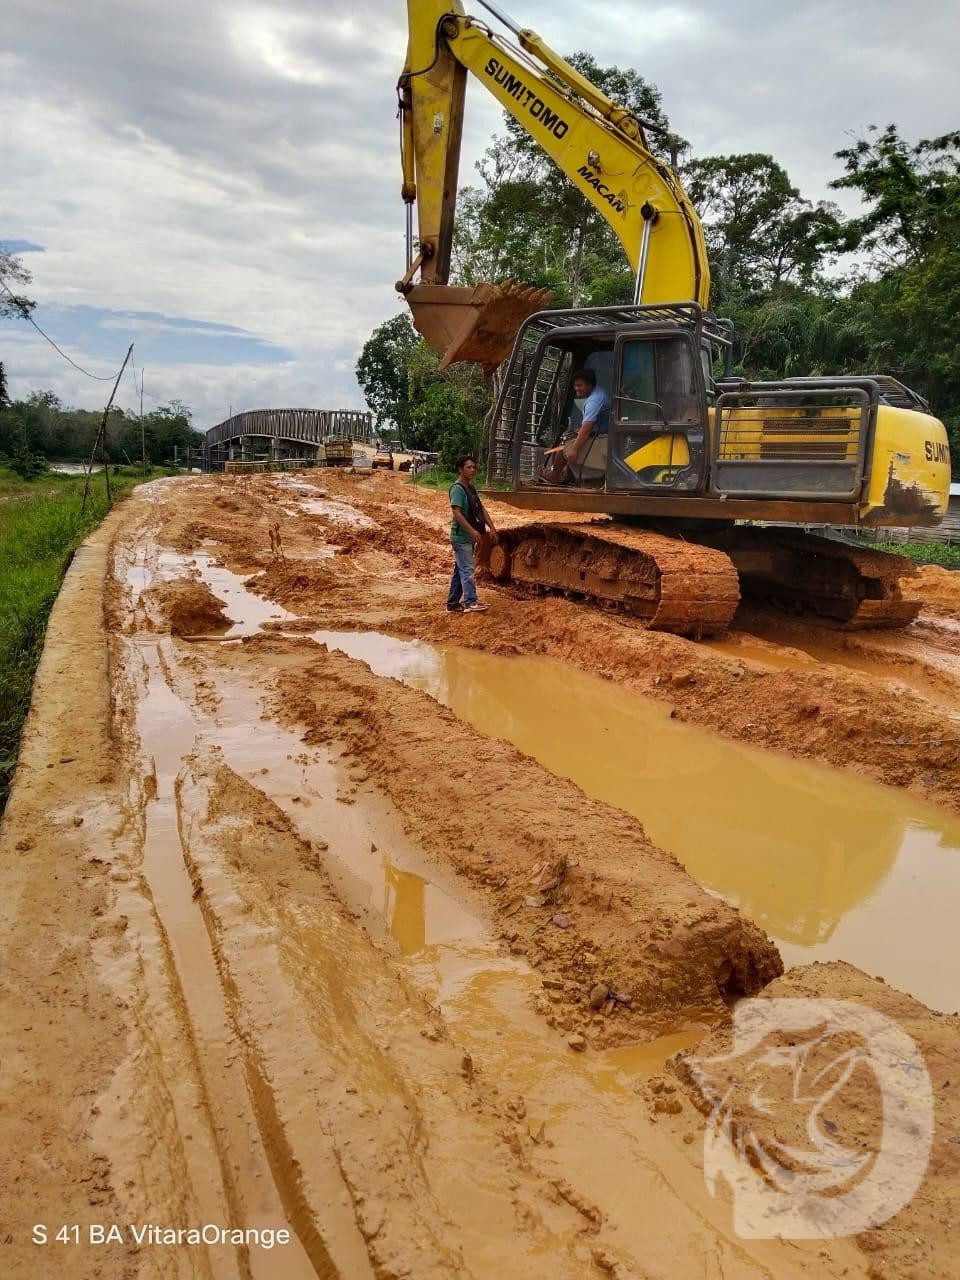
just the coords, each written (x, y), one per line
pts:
(459, 499)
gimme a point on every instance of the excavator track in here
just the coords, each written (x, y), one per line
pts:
(671, 585)
(693, 588)
(855, 587)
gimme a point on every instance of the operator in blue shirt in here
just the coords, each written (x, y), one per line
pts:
(596, 413)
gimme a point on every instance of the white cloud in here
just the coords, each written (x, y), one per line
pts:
(236, 163)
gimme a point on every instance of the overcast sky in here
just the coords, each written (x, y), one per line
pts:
(218, 181)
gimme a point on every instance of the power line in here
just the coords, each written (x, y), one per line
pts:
(27, 316)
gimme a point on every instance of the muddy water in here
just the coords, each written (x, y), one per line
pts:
(582, 1109)
(772, 657)
(830, 866)
(337, 513)
(378, 870)
(374, 866)
(248, 611)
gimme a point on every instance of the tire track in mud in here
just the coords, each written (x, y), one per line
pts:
(255, 1164)
(213, 813)
(243, 845)
(258, 1172)
(310, 1174)
(211, 808)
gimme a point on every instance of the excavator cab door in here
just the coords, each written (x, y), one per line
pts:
(658, 422)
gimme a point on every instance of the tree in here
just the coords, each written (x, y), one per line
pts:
(908, 301)
(442, 411)
(449, 405)
(27, 465)
(382, 372)
(167, 431)
(760, 232)
(913, 194)
(442, 421)
(13, 273)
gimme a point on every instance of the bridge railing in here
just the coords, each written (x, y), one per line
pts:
(310, 425)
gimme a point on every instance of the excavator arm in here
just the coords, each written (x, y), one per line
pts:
(598, 145)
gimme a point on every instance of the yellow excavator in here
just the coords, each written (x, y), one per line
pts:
(691, 461)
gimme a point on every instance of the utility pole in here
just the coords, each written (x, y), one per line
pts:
(101, 440)
(143, 438)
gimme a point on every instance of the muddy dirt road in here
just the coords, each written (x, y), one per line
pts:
(330, 914)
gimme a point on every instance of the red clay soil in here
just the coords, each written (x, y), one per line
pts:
(572, 885)
(919, 1240)
(202, 1025)
(392, 577)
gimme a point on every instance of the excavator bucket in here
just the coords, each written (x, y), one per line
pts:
(478, 323)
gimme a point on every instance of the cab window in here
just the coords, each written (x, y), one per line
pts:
(638, 391)
(658, 382)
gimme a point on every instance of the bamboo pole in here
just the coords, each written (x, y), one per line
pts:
(101, 439)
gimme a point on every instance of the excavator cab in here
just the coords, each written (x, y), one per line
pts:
(656, 365)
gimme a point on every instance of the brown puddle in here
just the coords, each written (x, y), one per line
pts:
(250, 611)
(337, 513)
(831, 866)
(772, 657)
(379, 871)
(375, 868)
(583, 1107)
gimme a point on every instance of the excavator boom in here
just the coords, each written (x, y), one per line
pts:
(598, 145)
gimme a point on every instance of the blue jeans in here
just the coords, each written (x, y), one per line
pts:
(463, 588)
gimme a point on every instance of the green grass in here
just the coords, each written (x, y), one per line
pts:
(925, 552)
(11, 486)
(41, 526)
(437, 479)
(434, 479)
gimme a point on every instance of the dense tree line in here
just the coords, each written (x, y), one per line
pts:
(39, 430)
(809, 290)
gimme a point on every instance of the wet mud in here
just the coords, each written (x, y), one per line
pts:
(326, 911)
(872, 703)
(807, 1101)
(827, 864)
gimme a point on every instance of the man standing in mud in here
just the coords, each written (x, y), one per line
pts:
(470, 521)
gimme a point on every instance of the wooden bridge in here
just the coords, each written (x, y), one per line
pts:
(278, 435)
